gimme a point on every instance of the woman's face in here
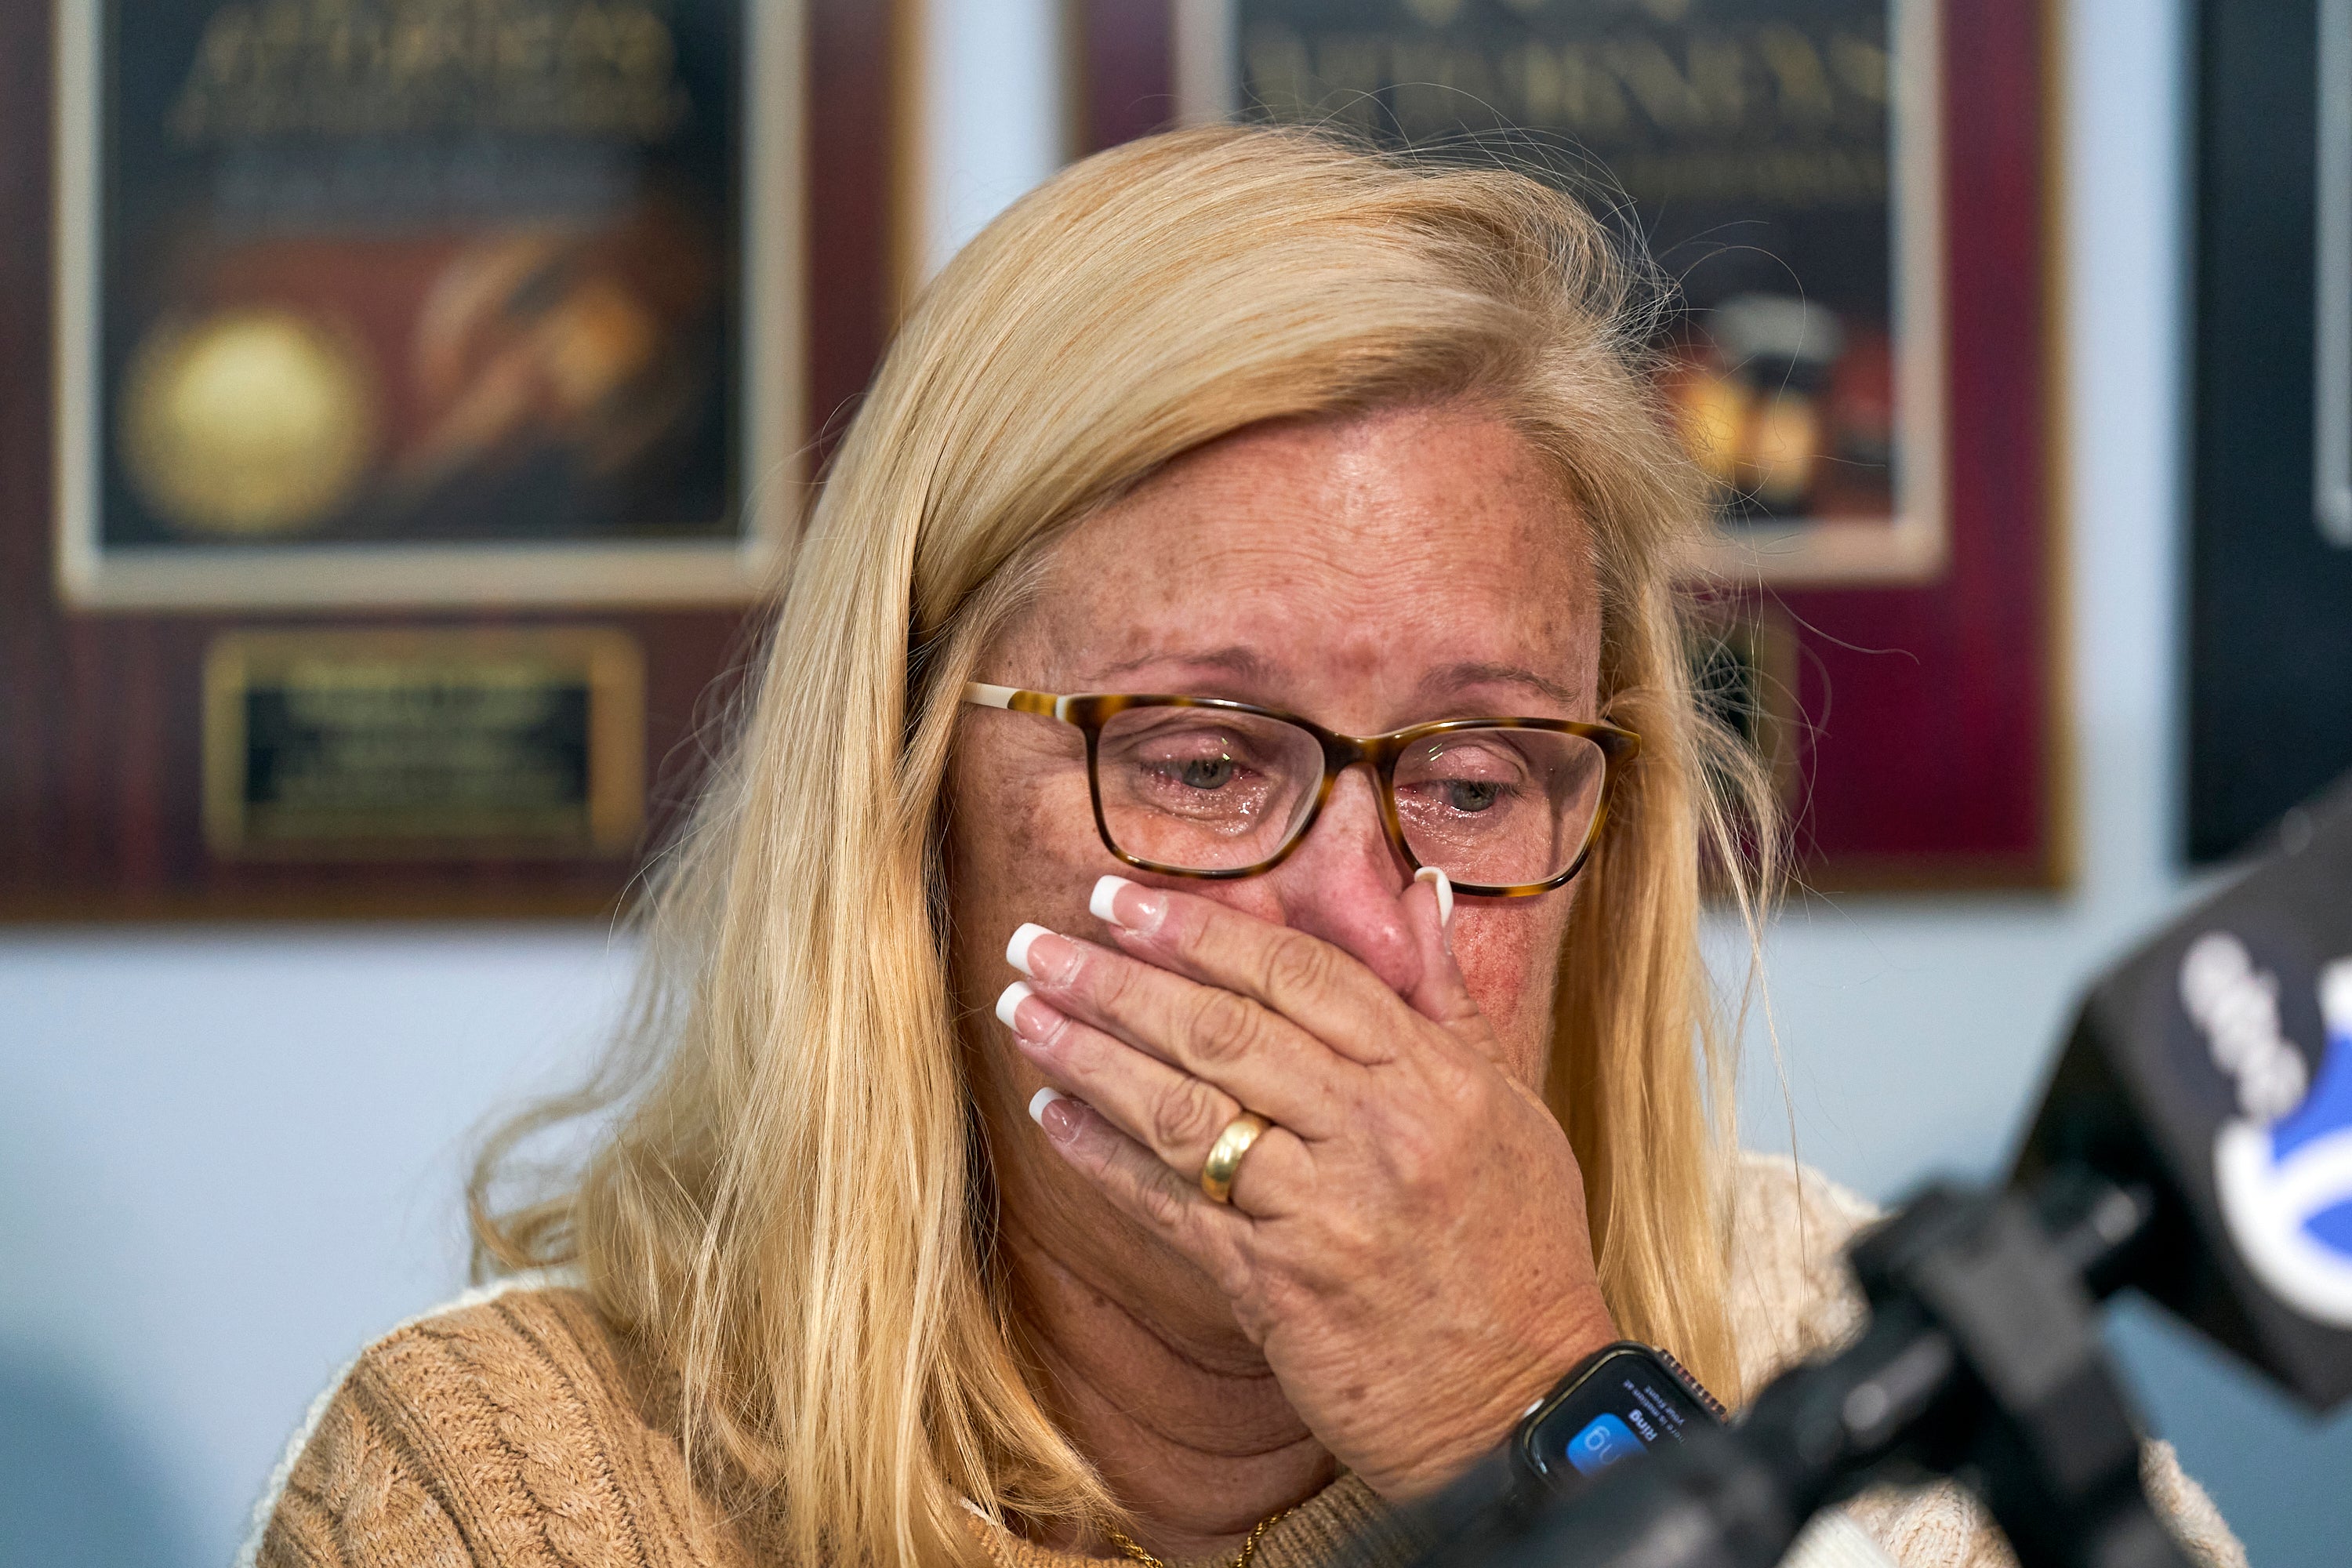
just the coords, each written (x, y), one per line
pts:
(1367, 573)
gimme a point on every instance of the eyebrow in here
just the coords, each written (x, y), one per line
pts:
(1453, 677)
(1245, 664)
(1235, 660)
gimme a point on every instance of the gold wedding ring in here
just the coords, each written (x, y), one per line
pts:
(1225, 1155)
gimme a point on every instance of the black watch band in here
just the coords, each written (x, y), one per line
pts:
(1622, 1399)
(1630, 1388)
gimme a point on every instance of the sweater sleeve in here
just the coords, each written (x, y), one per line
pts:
(1792, 1299)
(354, 1499)
(503, 1434)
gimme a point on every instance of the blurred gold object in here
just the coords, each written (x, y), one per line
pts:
(1711, 411)
(248, 422)
(1783, 440)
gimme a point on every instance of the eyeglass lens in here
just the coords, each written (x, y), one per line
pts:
(1205, 790)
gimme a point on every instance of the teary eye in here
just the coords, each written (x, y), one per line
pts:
(1470, 794)
(1207, 773)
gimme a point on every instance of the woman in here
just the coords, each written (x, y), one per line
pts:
(1063, 1129)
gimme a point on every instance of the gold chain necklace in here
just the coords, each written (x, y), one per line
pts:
(1249, 1547)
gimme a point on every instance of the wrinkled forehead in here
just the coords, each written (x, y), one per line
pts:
(1340, 559)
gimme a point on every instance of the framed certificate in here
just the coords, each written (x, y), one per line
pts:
(402, 407)
(1855, 198)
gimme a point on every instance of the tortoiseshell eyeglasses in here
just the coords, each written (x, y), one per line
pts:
(1198, 786)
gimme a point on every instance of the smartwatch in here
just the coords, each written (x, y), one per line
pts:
(1623, 1399)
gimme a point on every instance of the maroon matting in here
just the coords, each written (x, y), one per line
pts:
(101, 712)
(1928, 750)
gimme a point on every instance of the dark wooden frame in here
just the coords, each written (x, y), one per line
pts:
(1930, 752)
(101, 714)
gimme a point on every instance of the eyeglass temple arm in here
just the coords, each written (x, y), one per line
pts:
(981, 694)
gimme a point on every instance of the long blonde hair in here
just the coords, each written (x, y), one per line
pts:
(791, 1203)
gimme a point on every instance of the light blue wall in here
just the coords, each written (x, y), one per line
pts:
(227, 1157)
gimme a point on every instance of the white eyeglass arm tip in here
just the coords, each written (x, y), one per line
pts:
(987, 696)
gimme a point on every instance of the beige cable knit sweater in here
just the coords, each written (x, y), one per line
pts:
(519, 1430)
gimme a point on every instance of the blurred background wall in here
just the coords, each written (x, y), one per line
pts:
(230, 1155)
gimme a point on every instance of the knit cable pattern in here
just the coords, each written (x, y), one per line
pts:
(523, 1431)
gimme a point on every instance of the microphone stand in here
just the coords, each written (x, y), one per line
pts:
(1982, 1361)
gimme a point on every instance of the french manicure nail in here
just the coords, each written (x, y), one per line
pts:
(1010, 1003)
(1016, 951)
(1029, 1017)
(1126, 905)
(1061, 1125)
(1437, 879)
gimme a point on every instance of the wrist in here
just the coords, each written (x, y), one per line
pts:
(1485, 1424)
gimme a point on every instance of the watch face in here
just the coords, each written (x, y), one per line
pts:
(1602, 1441)
(1630, 1399)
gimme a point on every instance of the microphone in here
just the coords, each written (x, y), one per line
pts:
(2215, 1066)
(2194, 1140)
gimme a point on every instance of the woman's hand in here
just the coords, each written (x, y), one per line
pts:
(1407, 1242)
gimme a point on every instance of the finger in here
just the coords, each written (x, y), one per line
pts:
(1262, 1060)
(1323, 989)
(1441, 994)
(1175, 1115)
(1211, 1235)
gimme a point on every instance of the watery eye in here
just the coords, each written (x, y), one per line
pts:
(1471, 794)
(1207, 773)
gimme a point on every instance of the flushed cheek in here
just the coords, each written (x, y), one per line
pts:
(1508, 962)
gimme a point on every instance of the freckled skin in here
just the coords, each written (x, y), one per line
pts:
(1357, 564)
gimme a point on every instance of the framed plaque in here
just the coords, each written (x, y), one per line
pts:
(399, 303)
(398, 745)
(2270, 568)
(1853, 197)
(1779, 158)
(401, 408)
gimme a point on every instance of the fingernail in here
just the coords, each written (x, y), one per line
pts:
(1016, 951)
(1020, 1010)
(1126, 905)
(1060, 1124)
(1045, 956)
(1438, 879)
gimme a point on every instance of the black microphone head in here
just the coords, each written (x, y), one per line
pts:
(2215, 1065)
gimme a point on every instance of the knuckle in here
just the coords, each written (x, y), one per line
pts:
(1160, 1205)
(1184, 1117)
(1224, 1026)
(1297, 964)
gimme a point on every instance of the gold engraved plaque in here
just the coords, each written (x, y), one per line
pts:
(336, 745)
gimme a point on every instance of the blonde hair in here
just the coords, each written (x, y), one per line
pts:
(791, 1207)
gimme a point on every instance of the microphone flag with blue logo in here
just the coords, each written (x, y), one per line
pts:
(2216, 1065)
